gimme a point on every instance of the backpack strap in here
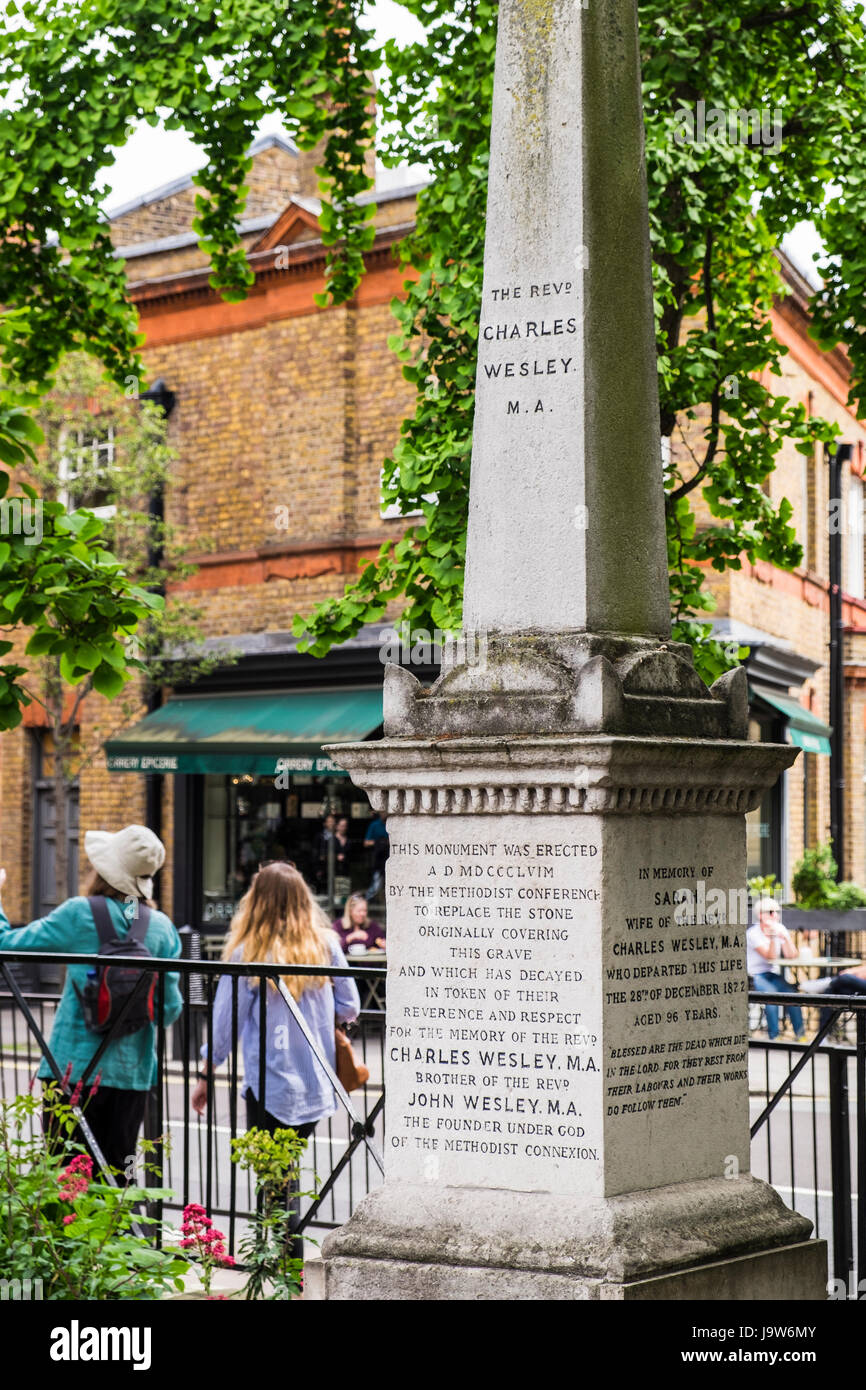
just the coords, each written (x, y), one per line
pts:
(102, 918)
(137, 929)
(140, 923)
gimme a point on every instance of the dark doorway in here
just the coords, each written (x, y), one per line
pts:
(44, 893)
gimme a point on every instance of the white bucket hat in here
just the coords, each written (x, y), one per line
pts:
(128, 859)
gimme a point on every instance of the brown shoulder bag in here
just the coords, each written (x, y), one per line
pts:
(350, 1073)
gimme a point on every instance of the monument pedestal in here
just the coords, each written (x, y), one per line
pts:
(566, 1054)
(712, 1240)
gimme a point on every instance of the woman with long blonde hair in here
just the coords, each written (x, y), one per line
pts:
(278, 923)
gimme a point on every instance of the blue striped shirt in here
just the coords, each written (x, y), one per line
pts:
(297, 1090)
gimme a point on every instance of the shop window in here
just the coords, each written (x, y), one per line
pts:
(247, 821)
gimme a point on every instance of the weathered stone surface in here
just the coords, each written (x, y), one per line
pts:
(566, 443)
(571, 682)
(574, 775)
(443, 1239)
(566, 971)
(789, 1274)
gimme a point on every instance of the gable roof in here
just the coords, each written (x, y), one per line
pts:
(300, 215)
(167, 190)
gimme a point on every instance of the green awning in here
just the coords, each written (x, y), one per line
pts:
(804, 730)
(261, 735)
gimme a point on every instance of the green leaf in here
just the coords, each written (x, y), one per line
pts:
(107, 681)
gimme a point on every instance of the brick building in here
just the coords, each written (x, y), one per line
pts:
(784, 617)
(282, 414)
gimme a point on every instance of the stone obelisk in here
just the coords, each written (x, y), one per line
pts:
(567, 1095)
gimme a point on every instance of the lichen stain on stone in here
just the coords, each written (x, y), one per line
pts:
(533, 35)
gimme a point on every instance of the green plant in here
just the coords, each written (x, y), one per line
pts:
(764, 885)
(80, 409)
(63, 1226)
(848, 896)
(75, 78)
(814, 879)
(718, 212)
(267, 1252)
(815, 883)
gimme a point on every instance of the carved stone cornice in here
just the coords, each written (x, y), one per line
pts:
(570, 775)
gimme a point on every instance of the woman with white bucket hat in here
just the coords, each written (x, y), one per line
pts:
(123, 865)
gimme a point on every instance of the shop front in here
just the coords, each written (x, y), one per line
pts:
(252, 785)
(776, 717)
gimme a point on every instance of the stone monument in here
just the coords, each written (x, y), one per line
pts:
(566, 1063)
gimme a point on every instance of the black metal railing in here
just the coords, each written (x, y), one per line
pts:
(192, 1153)
(808, 1127)
(808, 1105)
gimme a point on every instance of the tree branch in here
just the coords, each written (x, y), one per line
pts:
(715, 399)
(783, 16)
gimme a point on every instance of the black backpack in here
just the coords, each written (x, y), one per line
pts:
(118, 999)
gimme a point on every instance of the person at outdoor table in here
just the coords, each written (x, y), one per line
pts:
(767, 943)
(851, 981)
(355, 928)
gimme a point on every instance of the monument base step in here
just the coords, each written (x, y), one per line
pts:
(714, 1239)
(794, 1273)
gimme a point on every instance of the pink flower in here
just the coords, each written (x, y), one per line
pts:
(200, 1234)
(75, 1178)
(66, 1075)
(95, 1087)
(67, 1219)
(76, 1094)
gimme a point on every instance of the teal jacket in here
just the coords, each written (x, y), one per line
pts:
(130, 1062)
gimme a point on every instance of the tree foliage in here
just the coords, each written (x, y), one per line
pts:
(75, 75)
(108, 450)
(718, 212)
(75, 78)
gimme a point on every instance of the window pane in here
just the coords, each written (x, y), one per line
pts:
(853, 581)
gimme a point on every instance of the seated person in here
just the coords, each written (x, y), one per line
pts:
(849, 982)
(766, 942)
(355, 928)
